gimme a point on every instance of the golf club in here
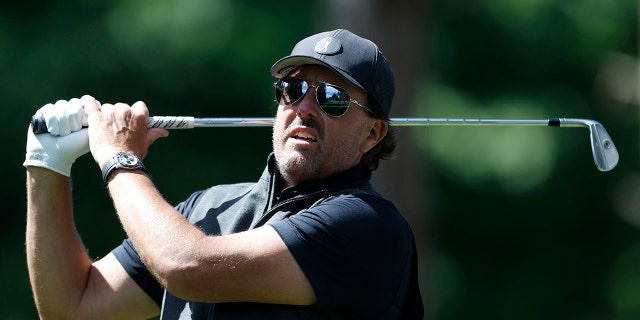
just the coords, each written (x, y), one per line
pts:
(605, 154)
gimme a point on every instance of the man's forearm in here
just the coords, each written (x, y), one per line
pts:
(159, 233)
(57, 260)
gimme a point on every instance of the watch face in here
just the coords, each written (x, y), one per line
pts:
(127, 159)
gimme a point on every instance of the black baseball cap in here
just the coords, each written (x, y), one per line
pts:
(356, 59)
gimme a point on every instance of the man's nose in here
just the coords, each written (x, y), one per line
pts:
(308, 105)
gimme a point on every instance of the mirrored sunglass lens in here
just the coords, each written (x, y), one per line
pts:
(334, 101)
(289, 90)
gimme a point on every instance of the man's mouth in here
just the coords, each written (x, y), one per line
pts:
(304, 131)
(304, 136)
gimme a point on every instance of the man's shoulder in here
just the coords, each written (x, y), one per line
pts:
(364, 197)
(220, 192)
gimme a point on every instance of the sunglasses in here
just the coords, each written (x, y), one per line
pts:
(333, 100)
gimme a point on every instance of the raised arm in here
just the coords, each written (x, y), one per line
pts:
(253, 266)
(66, 283)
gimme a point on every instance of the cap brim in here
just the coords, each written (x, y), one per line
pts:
(285, 65)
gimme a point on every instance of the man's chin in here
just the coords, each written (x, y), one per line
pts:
(293, 159)
(297, 165)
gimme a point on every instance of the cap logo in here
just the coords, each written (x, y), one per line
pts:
(328, 45)
(286, 69)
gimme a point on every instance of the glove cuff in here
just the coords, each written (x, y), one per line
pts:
(34, 159)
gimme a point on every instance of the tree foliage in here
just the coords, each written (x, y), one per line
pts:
(521, 225)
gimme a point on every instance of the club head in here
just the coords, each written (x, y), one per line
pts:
(605, 154)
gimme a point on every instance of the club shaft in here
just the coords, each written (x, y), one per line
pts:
(177, 122)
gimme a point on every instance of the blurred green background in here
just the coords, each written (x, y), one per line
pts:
(513, 223)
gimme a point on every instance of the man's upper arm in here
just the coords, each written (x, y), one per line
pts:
(112, 294)
(249, 266)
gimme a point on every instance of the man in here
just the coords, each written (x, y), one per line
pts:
(311, 239)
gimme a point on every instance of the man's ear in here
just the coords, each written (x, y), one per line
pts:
(377, 132)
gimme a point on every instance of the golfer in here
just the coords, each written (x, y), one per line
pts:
(310, 239)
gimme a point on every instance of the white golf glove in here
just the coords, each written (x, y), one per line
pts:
(66, 140)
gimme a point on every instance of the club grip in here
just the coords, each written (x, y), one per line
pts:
(38, 124)
(171, 122)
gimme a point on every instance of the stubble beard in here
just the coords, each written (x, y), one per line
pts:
(296, 166)
(299, 163)
(322, 159)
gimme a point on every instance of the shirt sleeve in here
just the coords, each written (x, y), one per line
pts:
(128, 257)
(353, 250)
(131, 262)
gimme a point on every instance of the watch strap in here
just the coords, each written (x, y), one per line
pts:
(114, 164)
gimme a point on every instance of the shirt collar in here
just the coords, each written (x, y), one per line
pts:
(357, 175)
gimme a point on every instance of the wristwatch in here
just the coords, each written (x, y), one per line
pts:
(122, 160)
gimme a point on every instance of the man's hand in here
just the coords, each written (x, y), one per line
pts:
(119, 127)
(66, 142)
